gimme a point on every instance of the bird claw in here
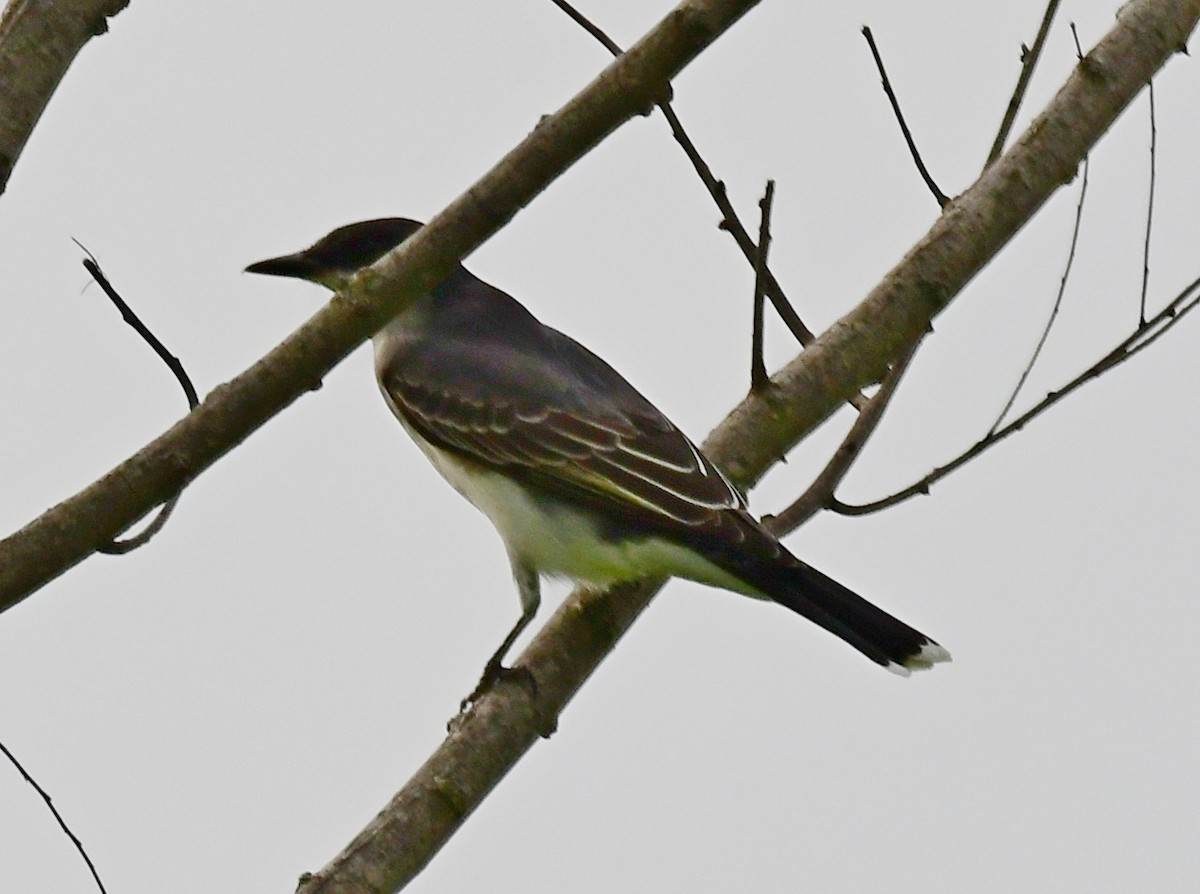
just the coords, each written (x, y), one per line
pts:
(496, 673)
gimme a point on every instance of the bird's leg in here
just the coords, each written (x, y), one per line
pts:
(529, 588)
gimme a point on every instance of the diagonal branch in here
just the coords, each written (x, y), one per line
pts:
(38, 42)
(58, 818)
(940, 197)
(1029, 61)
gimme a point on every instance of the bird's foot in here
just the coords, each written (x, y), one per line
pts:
(496, 673)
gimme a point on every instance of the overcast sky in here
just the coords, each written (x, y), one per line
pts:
(224, 709)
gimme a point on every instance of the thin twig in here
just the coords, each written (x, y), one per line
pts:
(1078, 47)
(62, 824)
(1029, 60)
(1149, 206)
(942, 199)
(120, 547)
(589, 26)
(1144, 336)
(759, 379)
(730, 222)
(1062, 288)
(820, 493)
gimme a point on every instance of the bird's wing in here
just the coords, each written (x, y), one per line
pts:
(593, 436)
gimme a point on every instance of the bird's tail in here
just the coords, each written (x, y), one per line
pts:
(881, 637)
(769, 568)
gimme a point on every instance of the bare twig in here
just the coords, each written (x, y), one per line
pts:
(1075, 37)
(942, 199)
(1149, 207)
(120, 547)
(127, 314)
(589, 26)
(758, 368)
(820, 493)
(1029, 60)
(1062, 288)
(62, 824)
(730, 222)
(1145, 335)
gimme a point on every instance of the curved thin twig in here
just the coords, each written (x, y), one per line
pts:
(120, 547)
(1062, 288)
(1149, 207)
(62, 823)
(942, 199)
(1142, 337)
(820, 493)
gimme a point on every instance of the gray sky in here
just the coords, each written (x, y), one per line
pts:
(225, 708)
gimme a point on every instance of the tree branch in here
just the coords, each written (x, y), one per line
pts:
(940, 197)
(1029, 61)
(58, 817)
(1058, 300)
(38, 42)
(1149, 207)
(819, 494)
(758, 368)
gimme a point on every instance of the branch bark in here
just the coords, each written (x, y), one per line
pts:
(38, 43)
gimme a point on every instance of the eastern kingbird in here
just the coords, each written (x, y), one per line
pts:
(581, 475)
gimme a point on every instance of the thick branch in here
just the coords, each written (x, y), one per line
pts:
(38, 42)
(856, 351)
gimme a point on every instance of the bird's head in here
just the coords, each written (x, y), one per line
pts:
(333, 259)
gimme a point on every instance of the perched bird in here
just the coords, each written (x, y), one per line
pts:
(580, 474)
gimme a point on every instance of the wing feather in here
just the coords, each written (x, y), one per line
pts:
(618, 458)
